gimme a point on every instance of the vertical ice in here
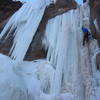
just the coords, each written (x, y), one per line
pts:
(65, 74)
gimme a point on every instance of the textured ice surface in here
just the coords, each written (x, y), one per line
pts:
(67, 73)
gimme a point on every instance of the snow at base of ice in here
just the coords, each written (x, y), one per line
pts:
(21, 82)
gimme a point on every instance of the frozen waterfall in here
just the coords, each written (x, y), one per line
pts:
(65, 74)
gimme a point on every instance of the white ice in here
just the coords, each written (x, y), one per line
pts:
(65, 74)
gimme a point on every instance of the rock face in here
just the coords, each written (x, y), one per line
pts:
(35, 50)
(95, 16)
(7, 8)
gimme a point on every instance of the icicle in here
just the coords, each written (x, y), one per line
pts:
(24, 36)
(29, 16)
(61, 42)
(62, 39)
(25, 23)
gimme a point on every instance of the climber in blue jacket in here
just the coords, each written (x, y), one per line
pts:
(86, 35)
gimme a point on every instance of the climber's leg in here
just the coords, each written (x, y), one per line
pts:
(85, 38)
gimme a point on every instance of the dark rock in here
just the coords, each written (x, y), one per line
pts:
(98, 61)
(7, 8)
(95, 14)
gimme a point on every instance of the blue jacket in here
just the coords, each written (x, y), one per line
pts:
(84, 29)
